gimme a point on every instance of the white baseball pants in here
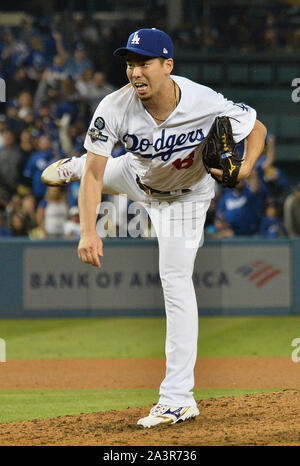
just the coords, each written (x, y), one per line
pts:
(178, 223)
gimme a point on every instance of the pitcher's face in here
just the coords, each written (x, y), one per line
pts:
(147, 75)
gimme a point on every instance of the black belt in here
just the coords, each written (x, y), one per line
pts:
(150, 191)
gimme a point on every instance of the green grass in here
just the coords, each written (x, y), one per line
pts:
(123, 338)
(22, 405)
(145, 337)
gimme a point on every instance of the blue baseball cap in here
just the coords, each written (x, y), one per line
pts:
(149, 42)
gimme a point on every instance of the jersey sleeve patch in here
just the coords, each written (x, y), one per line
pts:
(96, 135)
(99, 123)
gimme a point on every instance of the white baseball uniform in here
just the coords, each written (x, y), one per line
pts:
(167, 157)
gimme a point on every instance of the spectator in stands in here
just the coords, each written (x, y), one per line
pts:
(21, 81)
(219, 229)
(71, 137)
(44, 120)
(69, 102)
(27, 148)
(271, 225)
(13, 207)
(78, 62)
(95, 89)
(37, 59)
(84, 83)
(267, 158)
(14, 52)
(52, 213)
(25, 111)
(274, 179)
(72, 193)
(222, 229)
(10, 160)
(26, 144)
(90, 31)
(13, 122)
(276, 182)
(72, 226)
(28, 210)
(292, 212)
(35, 135)
(240, 207)
(57, 70)
(47, 90)
(18, 226)
(36, 164)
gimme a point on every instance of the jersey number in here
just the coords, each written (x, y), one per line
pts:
(180, 164)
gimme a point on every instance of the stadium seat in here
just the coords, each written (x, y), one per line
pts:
(238, 74)
(190, 70)
(212, 73)
(261, 74)
(289, 126)
(287, 152)
(286, 74)
(270, 121)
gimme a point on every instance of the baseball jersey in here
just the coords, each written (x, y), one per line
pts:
(167, 156)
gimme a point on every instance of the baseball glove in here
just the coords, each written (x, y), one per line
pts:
(219, 151)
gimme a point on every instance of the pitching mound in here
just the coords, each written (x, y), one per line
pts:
(262, 419)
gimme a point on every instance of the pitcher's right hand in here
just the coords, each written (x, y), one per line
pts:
(90, 249)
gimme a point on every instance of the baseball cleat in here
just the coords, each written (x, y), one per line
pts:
(164, 415)
(60, 173)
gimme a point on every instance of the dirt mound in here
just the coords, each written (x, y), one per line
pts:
(262, 419)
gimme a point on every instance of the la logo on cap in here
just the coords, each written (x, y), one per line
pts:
(135, 39)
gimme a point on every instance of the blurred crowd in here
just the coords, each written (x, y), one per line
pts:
(252, 28)
(264, 205)
(56, 71)
(52, 90)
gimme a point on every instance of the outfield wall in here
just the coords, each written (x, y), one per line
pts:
(232, 277)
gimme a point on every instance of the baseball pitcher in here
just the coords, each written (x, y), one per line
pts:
(180, 139)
